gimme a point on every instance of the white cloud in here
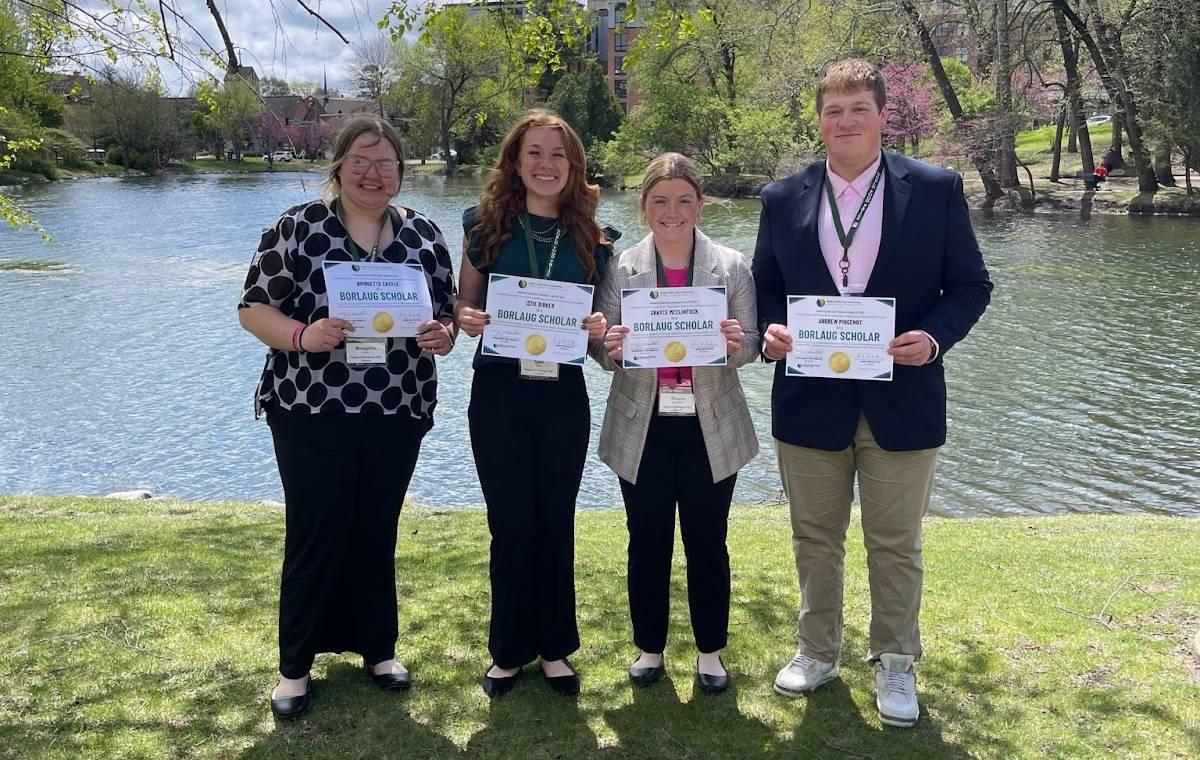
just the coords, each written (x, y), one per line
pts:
(277, 37)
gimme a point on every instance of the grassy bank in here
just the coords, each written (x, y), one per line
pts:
(147, 630)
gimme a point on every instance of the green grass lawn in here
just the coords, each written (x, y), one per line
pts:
(146, 630)
(248, 165)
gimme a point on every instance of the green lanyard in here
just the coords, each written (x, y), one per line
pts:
(847, 237)
(352, 247)
(533, 266)
(662, 274)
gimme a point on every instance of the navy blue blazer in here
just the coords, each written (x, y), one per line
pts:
(929, 261)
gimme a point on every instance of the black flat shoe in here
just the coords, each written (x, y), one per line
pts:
(567, 685)
(647, 676)
(712, 684)
(388, 681)
(286, 708)
(498, 686)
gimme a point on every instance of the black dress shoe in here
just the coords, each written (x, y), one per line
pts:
(285, 708)
(712, 684)
(388, 681)
(498, 686)
(647, 676)
(567, 685)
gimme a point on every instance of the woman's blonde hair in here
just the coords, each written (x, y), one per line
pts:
(669, 166)
(352, 128)
(503, 197)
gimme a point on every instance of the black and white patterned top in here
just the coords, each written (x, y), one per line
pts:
(287, 273)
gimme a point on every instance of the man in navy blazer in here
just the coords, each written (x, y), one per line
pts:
(864, 222)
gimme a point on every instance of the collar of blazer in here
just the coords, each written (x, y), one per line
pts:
(644, 274)
(897, 190)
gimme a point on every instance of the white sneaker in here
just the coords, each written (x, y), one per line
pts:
(896, 690)
(803, 674)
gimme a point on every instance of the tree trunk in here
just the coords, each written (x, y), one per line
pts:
(986, 173)
(231, 63)
(1108, 54)
(1187, 171)
(1115, 158)
(1006, 160)
(1162, 167)
(1056, 161)
(1078, 122)
(1072, 142)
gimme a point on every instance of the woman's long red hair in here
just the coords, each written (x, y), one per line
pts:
(504, 196)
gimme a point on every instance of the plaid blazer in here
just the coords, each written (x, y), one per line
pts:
(724, 418)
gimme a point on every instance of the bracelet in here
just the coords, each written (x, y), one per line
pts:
(300, 340)
(296, 333)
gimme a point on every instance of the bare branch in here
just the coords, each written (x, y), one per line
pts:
(323, 21)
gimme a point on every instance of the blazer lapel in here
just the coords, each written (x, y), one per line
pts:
(809, 259)
(642, 264)
(896, 193)
(704, 262)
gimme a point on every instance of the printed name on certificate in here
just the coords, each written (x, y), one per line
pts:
(537, 319)
(674, 327)
(841, 337)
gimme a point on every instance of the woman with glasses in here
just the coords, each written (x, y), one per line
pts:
(347, 411)
(530, 423)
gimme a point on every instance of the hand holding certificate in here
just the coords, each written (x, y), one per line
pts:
(381, 300)
(537, 319)
(841, 337)
(674, 327)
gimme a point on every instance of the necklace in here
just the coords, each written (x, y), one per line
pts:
(547, 235)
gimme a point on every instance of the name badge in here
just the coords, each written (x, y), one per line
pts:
(531, 369)
(366, 351)
(676, 401)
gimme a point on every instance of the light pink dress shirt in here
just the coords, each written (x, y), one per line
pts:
(865, 248)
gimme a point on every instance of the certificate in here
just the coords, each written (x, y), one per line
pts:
(674, 327)
(381, 300)
(536, 319)
(844, 337)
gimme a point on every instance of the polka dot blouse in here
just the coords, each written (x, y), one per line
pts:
(287, 273)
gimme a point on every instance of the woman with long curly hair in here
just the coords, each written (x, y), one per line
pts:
(530, 421)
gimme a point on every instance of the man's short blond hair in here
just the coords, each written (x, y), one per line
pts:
(849, 76)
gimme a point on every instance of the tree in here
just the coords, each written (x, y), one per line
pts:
(374, 68)
(582, 98)
(1100, 29)
(126, 108)
(910, 114)
(968, 130)
(460, 67)
(1177, 116)
(234, 109)
(310, 138)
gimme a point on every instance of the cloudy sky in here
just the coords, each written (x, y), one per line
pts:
(278, 37)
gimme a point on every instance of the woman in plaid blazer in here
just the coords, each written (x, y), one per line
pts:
(678, 435)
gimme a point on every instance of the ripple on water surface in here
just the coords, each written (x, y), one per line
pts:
(1076, 392)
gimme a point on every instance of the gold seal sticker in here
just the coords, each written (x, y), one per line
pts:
(382, 322)
(535, 344)
(839, 362)
(675, 351)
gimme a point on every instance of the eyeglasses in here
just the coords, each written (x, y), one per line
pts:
(387, 167)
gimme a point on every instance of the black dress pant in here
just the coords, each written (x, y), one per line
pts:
(675, 470)
(530, 440)
(344, 479)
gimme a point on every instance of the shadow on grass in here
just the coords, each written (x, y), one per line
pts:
(351, 717)
(657, 724)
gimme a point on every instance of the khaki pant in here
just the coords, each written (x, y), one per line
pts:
(894, 488)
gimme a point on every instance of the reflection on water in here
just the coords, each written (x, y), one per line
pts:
(123, 365)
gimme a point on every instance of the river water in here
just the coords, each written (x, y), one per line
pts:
(122, 364)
